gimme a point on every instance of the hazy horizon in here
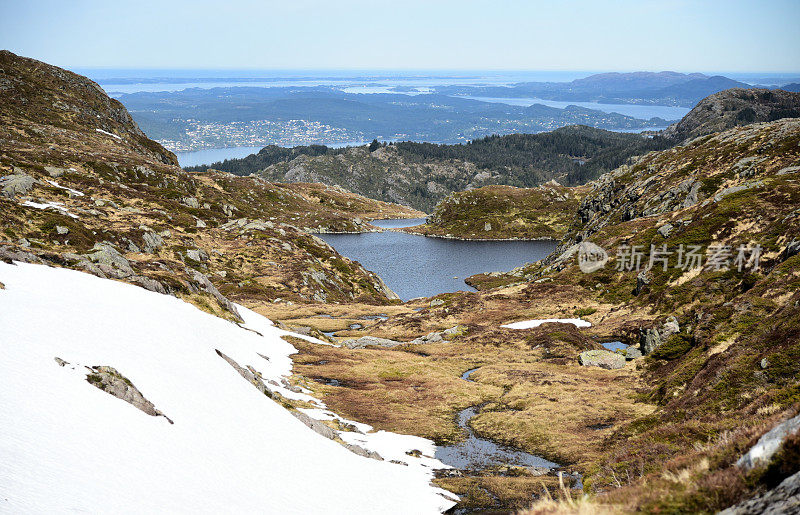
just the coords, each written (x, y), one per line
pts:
(712, 35)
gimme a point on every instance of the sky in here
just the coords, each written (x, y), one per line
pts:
(612, 35)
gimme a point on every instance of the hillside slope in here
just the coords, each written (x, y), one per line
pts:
(714, 345)
(82, 187)
(217, 424)
(421, 174)
(221, 445)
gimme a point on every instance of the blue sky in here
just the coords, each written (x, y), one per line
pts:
(681, 35)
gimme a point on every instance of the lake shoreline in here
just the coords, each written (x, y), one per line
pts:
(461, 238)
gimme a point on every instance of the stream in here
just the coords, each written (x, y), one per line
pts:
(476, 453)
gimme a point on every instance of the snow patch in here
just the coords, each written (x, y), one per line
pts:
(57, 185)
(68, 446)
(529, 324)
(101, 131)
(58, 206)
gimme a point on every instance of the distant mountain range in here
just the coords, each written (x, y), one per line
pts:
(662, 88)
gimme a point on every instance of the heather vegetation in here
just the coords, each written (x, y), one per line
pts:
(707, 356)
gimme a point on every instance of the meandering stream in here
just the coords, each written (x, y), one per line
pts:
(475, 453)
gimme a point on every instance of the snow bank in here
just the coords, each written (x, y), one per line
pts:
(57, 185)
(528, 324)
(58, 206)
(68, 446)
(101, 131)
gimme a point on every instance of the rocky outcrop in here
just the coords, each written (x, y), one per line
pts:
(16, 184)
(254, 377)
(315, 425)
(783, 499)
(112, 382)
(601, 358)
(370, 341)
(437, 336)
(651, 338)
(734, 107)
(110, 260)
(357, 449)
(204, 283)
(769, 444)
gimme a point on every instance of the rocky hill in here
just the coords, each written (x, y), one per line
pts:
(504, 212)
(83, 187)
(734, 107)
(421, 174)
(712, 328)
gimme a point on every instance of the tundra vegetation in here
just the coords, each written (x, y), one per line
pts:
(712, 362)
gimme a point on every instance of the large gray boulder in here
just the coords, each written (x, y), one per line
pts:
(198, 255)
(632, 353)
(152, 241)
(766, 447)
(370, 341)
(601, 358)
(16, 184)
(107, 257)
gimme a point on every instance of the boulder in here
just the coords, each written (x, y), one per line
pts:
(632, 353)
(54, 172)
(104, 254)
(370, 341)
(652, 338)
(792, 249)
(428, 338)
(665, 230)
(602, 359)
(643, 280)
(152, 242)
(198, 255)
(190, 202)
(454, 332)
(770, 443)
(16, 184)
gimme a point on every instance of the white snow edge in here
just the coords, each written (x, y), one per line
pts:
(529, 324)
(68, 446)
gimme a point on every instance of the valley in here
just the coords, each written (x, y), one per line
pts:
(256, 304)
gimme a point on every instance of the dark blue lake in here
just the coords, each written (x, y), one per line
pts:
(418, 266)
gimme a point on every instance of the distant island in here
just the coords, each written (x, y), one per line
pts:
(195, 118)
